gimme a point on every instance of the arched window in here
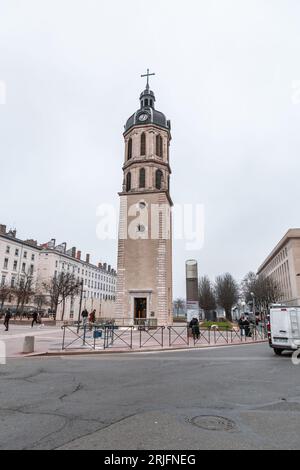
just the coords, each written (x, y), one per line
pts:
(143, 144)
(146, 102)
(129, 149)
(158, 179)
(142, 178)
(128, 181)
(159, 146)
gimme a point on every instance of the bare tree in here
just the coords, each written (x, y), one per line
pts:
(227, 293)
(54, 289)
(40, 299)
(207, 299)
(248, 285)
(5, 294)
(179, 305)
(70, 289)
(60, 288)
(23, 291)
(264, 290)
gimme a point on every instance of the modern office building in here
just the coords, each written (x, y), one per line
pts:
(283, 264)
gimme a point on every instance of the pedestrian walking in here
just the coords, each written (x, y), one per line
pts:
(194, 325)
(242, 326)
(92, 317)
(7, 318)
(35, 316)
(247, 327)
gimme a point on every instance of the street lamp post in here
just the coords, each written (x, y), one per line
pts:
(253, 302)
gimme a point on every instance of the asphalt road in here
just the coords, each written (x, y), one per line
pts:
(239, 397)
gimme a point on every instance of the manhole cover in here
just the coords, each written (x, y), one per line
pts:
(214, 423)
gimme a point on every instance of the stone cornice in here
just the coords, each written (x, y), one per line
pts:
(140, 192)
(144, 161)
(147, 127)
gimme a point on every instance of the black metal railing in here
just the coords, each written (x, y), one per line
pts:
(118, 337)
(83, 335)
(109, 336)
(178, 335)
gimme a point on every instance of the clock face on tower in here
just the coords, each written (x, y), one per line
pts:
(143, 117)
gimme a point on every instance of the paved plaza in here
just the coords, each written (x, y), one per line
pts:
(45, 338)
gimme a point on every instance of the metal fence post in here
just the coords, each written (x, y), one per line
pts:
(64, 334)
(104, 339)
(84, 334)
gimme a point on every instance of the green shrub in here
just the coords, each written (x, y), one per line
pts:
(222, 325)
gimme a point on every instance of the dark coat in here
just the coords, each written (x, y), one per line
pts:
(7, 315)
(194, 324)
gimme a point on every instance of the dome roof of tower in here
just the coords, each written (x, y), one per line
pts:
(147, 114)
(153, 117)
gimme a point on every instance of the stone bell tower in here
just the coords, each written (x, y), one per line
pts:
(144, 284)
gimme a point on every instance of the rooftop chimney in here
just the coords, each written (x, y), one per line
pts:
(78, 255)
(2, 229)
(12, 233)
(31, 242)
(87, 259)
(100, 265)
(104, 266)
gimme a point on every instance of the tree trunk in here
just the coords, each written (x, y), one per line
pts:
(22, 307)
(228, 314)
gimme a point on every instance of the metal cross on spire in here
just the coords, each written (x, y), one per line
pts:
(148, 74)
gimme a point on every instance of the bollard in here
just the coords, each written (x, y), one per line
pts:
(28, 346)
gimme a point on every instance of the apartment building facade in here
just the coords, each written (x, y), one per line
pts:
(21, 258)
(18, 258)
(98, 281)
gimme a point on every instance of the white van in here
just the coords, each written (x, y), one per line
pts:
(284, 328)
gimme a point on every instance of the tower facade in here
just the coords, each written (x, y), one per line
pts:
(144, 282)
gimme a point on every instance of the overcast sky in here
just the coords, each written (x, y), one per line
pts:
(228, 76)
